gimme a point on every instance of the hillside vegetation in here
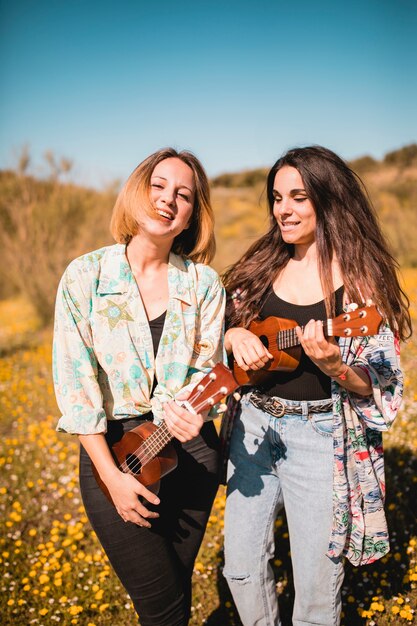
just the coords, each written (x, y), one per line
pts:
(46, 223)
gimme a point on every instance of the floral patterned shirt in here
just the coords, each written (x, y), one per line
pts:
(359, 524)
(103, 360)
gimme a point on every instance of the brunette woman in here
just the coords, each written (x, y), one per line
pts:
(137, 325)
(310, 440)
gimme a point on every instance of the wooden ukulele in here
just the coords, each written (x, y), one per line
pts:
(145, 452)
(279, 337)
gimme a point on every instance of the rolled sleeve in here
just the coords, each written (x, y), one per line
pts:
(75, 367)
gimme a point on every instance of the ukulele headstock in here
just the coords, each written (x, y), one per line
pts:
(215, 385)
(359, 322)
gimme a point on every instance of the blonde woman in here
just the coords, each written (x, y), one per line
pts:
(136, 323)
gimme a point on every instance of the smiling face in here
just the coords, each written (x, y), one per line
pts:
(172, 195)
(293, 210)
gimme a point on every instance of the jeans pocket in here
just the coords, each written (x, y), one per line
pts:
(322, 423)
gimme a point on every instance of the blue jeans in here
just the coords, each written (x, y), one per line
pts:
(274, 463)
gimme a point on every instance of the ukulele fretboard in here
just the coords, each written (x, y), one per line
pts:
(288, 338)
(154, 443)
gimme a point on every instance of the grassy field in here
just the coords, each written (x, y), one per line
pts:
(53, 570)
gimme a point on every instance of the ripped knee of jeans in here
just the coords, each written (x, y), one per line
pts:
(239, 579)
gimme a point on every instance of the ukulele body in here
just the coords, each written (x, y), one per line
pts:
(124, 453)
(146, 452)
(284, 360)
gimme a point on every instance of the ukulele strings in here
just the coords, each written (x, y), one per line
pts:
(287, 338)
(284, 338)
(149, 448)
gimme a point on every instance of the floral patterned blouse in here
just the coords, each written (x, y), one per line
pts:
(359, 524)
(103, 361)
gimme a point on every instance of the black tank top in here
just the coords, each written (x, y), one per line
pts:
(307, 381)
(156, 326)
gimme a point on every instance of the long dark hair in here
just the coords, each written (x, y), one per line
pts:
(347, 227)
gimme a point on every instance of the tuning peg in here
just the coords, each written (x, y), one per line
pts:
(224, 390)
(210, 401)
(212, 376)
(364, 329)
(237, 396)
(222, 408)
(347, 332)
(200, 388)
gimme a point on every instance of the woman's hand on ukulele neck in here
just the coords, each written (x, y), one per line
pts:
(248, 350)
(326, 355)
(183, 424)
(323, 352)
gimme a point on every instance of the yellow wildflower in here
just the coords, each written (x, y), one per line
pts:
(377, 606)
(43, 578)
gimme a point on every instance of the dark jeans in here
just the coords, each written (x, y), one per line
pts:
(155, 565)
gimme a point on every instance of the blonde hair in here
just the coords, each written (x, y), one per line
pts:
(197, 242)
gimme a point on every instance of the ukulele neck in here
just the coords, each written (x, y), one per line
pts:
(288, 338)
(157, 441)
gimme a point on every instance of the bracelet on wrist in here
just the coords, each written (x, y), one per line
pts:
(342, 375)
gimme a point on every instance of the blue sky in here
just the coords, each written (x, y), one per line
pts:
(107, 83)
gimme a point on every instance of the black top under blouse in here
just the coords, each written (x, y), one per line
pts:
(157, 326)
(307, 381)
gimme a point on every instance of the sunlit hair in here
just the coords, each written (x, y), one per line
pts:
(347, 227)
(197, 242)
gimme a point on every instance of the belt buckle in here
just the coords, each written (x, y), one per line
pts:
(278, 407)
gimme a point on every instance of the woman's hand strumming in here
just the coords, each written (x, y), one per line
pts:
(248, 350)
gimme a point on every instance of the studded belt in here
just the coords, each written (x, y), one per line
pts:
(278, 408)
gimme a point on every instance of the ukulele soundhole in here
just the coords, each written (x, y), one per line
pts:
(264, 341)
(133, 464)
